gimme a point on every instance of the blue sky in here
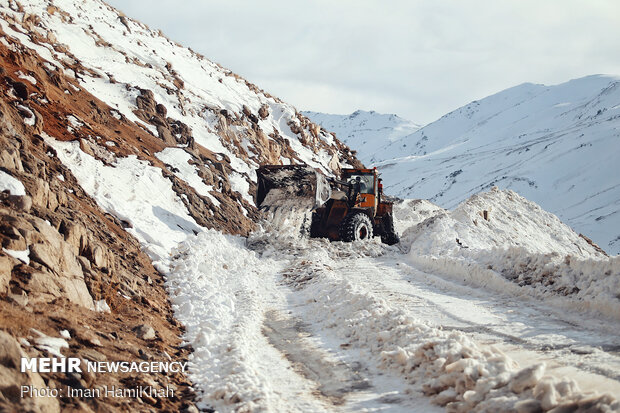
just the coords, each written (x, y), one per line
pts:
(418, 59)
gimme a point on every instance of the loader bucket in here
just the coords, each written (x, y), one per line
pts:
(286, 184)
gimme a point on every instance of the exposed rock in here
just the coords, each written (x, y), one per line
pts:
(96, 253)
(12, 239)
(76, 235)
(9, 156)
(93, 355)
(247, 112)
(60, 274)
(166, 136)
(263, 112)
(161, 110)
(145, 332)
(19, 202)
(6, 266)
(11, 380)
(41, 195)
(21, 299)
(21, 90)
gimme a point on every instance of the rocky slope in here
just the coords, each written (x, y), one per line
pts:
(82, 85)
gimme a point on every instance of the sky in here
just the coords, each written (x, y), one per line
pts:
(419, 59)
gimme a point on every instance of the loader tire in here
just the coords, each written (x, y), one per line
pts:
(355, 227)
(315, 226)
(389, 236)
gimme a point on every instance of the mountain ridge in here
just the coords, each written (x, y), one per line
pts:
(555, 145)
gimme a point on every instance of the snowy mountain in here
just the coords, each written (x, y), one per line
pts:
(129, 234)
(556, 145)
(365, 131)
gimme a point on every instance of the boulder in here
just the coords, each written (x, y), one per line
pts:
(21, 90)
(41, 195)
(75, 235)
(19, 202)
(145, 332)
(97, 255)
(161, 110)
(9, 157)
(12, 239)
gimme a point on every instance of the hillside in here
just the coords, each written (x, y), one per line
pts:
(116, 144)
(130, 235)
(555, 145)
(366, 132)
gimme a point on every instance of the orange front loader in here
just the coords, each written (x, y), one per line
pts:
(347, 209)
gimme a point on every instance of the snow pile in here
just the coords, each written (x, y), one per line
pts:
(179, 160)
(52, 345)
(500, 240)
(23, 256)
(410, 212)
(496, 219)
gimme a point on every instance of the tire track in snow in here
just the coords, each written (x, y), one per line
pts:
(491, 318)
(335, 379)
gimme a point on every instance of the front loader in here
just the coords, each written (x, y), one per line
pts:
(348, 209)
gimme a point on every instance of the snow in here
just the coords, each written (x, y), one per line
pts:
(102, 306)
(280, 322)
(556, 145)
(75, 122)
(27, 77)
(239, 184)
(220, 299)
(179, 159)
(365, 132)
(31, 119)
(519, 247)
(23, 256)
(147, 60)
(11, 184)
(52, 345)
(246, 282)
(135, 192)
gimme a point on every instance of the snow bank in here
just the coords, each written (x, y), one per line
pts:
(502, 241)
(219, 292)
(23, 256)
(556, 145)
(410, 212)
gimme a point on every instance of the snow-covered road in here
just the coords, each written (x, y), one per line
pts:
(528, 327)
(320, 326)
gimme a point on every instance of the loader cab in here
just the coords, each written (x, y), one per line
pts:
(368, 186)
